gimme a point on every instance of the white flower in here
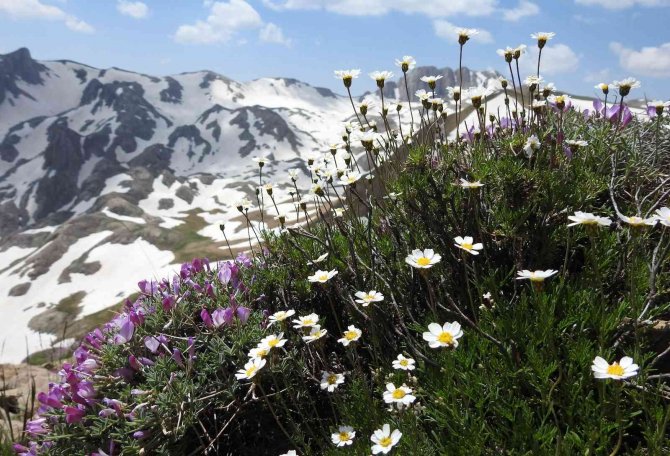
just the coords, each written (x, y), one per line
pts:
(401, 395)
(559, 99)
(330, 381)
(663, 216)
(454, 92)
(402, 363)
(446, 335)
(543, 36)
(339, 212)
(307, 321)
(603, 86)
(533, 80)
(423, 259)
(537, 104)
(466, 244)
(422, 94)
(587, 218)
(322, 276)
(626, 85)
(319, 259)
(352, 334)
(261, 161)
(550, 87)
(384, 440)
(315, 333)
(576, 143)
(532, 144)
(466, 184)
(293, 174)
(478, 94)
(251, 368)
(289, 453)
(344, 436)
(258, 352)
(431, 79)
(381, 75)
(507, 53)
(639, 222)
(367, 137)
(273, 341)
(243, 205)
(350, 178)
(406, 63)
(616, 371)
(347, 75)
(466, 33)
(393, 196)
(535, 276)
(366, 298)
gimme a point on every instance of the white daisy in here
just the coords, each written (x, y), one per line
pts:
(663, 216)
(366, 298)
(402, 363)
(330, 381)
(384, 440)
(466, 184)
(446, 335)
(401, 395)
(307, 321)
(315, 333)
(251, 368)
(535, 276)
(406, 63)
(344, 436)
(466, 243)
(273, 341)
(638, 222)
(352, 334)
(616, 371)
(423, 259)
(587, 218)
(322, 276)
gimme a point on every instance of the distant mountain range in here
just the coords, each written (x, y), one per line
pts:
(109, 176)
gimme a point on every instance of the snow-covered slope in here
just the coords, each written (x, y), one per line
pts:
(109, 176)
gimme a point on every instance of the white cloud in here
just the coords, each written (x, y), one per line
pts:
(598, 76)
(447, 30)
(648, 61)
(434, 8)
(623, 4)
(35, 9)
(523, 9)
(272, 33)
(224, 21)
(556, 59)
(136, 10)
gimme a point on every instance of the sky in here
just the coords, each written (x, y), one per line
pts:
(596, 40)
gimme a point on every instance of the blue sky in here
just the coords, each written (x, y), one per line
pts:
(596, 40)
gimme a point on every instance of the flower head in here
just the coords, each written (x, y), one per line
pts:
(251, 368)
(330, 381)
(532, 144)
(350, 178)
(402, 363)
(465, 34)
(273, 341)
(380, 77)
(507, 54)
(663, 216)
(423, 259)
(401, 395)
(406, 63)
(315, 333)
(347, 76)
(467, 184)
(352, 334)
(626, 85)
(307, 321)
(466, 243)
(535, 276)
(431, 80)
(322, 276)
(587, 218)
(344, 436)
(446, 335)
(604, 87)
(542, 38)
(638, 222)
(366, 298)
(261, 161)
(616, 371)
(384, 440)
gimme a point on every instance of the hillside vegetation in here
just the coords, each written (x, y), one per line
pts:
(503, 291)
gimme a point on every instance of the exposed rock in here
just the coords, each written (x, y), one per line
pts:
(20, 289)
(18, 66)
(165, 204)
(186, 193)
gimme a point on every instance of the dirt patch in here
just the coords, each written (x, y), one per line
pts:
(57, 319)
(20, 289)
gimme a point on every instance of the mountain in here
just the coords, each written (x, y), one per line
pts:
(108, 177)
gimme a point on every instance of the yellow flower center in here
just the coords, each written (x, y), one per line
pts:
(615, 369)
(273, 343)
(280, 316)
(344, 436)
(261, 353)
(399, 394)
(404, 362)
(385, 442)
(308, 321)
(332, 379)
(323, 277)
(251, 371)
(466, 246)
(350, 335)
(446, 338)
(536, 278)
(423, 261)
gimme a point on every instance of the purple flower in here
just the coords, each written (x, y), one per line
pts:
(206, 318)
(177, 357)
(243, 259)
(139, 435)
(126, 330)
(152, 344)
(220, 318)
(148, 287)
(36, 427)
(168, 303)
(73, 414)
